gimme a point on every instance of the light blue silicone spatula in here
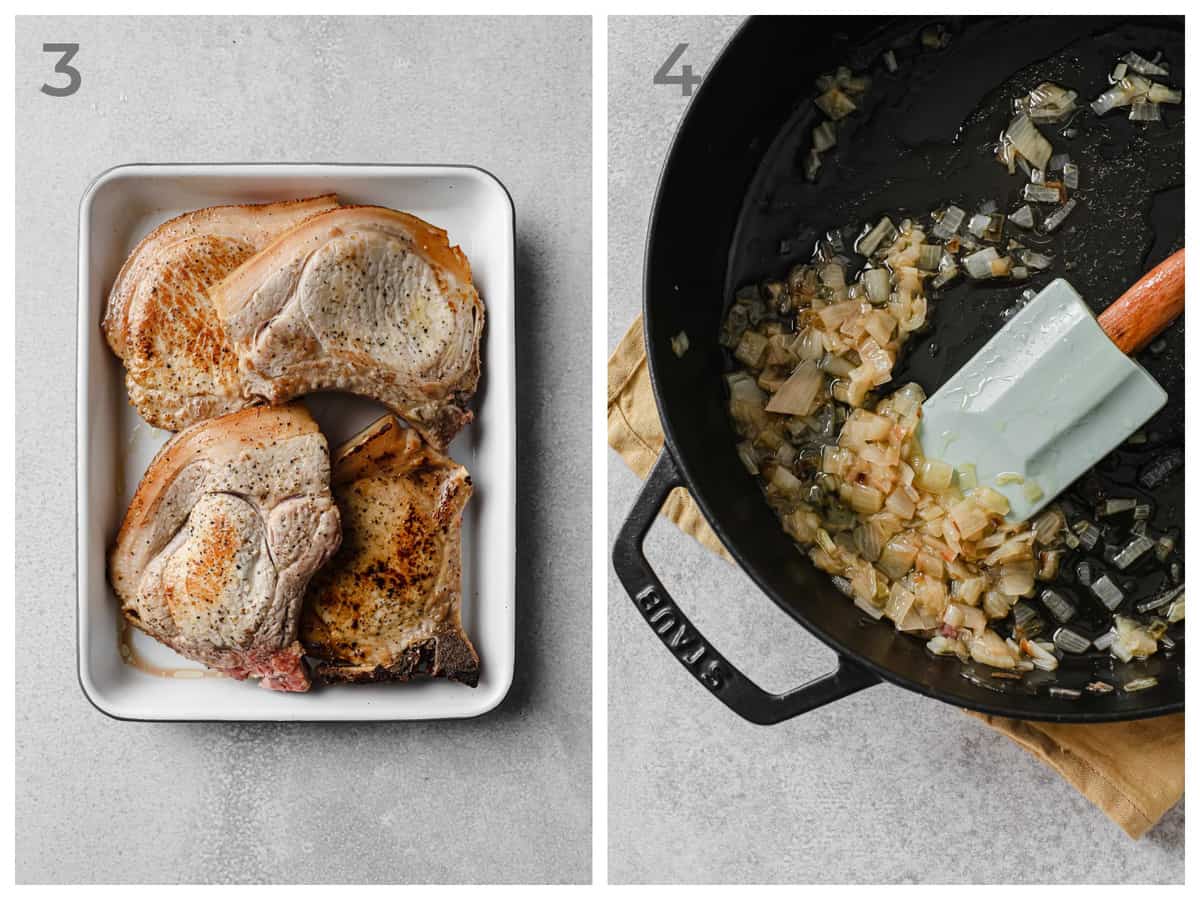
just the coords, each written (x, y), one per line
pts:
(1054, 390)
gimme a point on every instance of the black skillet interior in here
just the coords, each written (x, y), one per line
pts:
(733, 208)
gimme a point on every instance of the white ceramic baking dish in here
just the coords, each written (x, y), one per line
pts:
(115, 445)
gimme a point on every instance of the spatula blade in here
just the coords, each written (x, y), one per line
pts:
(1045, 399)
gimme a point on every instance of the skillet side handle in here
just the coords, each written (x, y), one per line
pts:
(689, 646)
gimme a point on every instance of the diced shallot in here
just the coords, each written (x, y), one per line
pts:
(1042, 658)
(1040, 193)
(934, 475)
(948, 224)
(1070, 641)
(1059, 215)
(1160, 93)
(1139, 684)
(979, 264)
(1107, 592)
(871, 241)
(1048, 102)
(824, 136)
(1133, 551)
(1142, 110)
(1023, 217)
(1175, 612)
(1132, 640)
(835, 104)
(1160, 600)
(1048, 526)
(1141, 65)
(991, 650)
(1028, 141)
(1123, 93)
(799, 393)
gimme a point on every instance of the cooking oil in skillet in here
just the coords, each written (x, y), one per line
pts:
(921, 140)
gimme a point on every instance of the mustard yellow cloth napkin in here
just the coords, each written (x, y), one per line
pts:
(1133, 771)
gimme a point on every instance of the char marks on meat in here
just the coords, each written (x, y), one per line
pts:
(180, 368)
(387, 606)
(229, 523)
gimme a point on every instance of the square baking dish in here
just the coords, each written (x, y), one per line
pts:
(115, 446)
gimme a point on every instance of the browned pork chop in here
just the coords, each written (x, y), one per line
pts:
(365, 300)
(230, 521)
(387, 607)
(180, 368)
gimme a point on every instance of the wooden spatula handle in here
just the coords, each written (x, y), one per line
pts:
(1148, 307)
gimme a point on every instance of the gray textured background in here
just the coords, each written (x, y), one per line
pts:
(502, 798)
(882, 786)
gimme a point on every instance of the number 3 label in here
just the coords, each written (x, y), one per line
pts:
(685, 79)
(63, 67)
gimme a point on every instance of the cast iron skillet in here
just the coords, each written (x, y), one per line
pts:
(725, 216)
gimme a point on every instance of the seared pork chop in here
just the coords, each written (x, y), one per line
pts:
(365, 300)
(180, 368)
(387, 606)
(230, 521)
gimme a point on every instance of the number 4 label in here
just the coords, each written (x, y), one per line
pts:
(685, 79)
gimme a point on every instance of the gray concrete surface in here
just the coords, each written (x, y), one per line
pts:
(502, 798)
(883, 786)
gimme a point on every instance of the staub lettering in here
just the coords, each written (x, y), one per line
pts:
(683, 640)
(713, 675)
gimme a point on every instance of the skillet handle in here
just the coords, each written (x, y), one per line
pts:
(689, 646)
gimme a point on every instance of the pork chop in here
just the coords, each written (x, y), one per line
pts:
(180, 368)
(230, 521)
(365, 300)
(387, 606)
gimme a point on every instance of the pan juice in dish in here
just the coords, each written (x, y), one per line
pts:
(1086, 598)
